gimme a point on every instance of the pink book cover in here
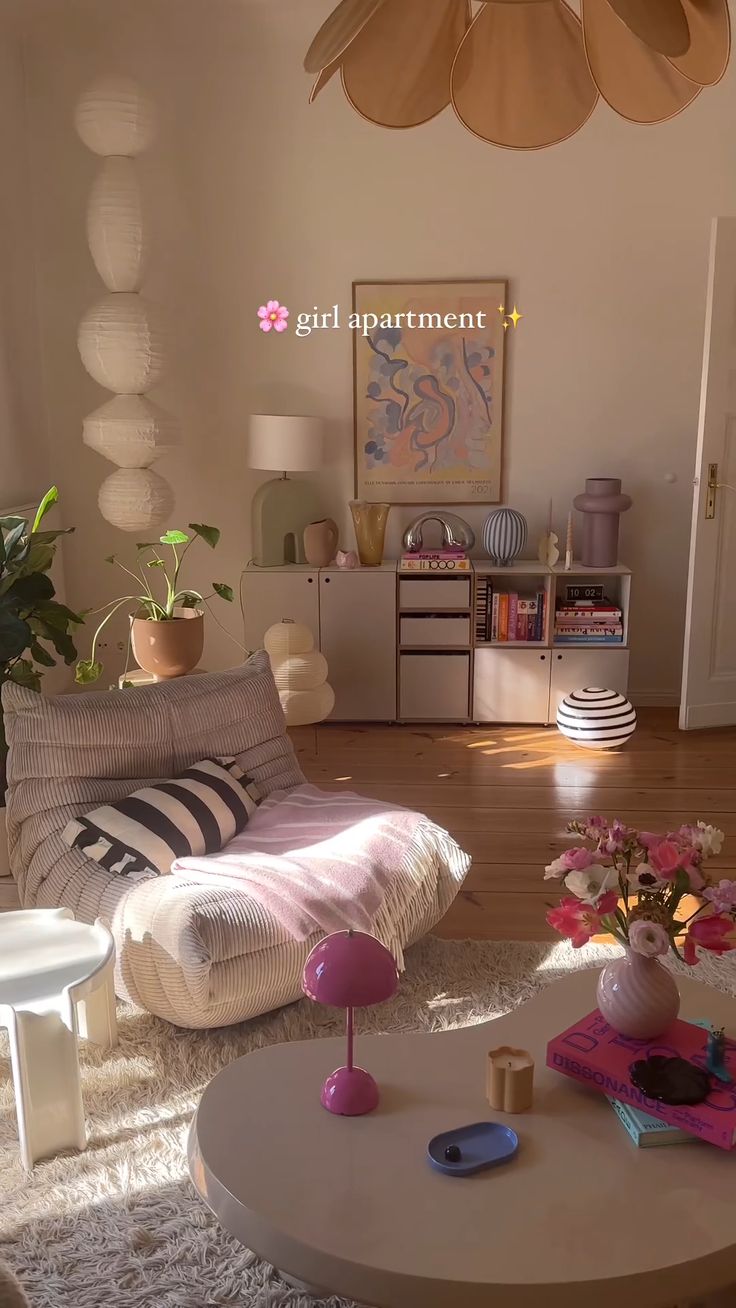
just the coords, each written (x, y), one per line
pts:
(513, 616)
(593, 1053)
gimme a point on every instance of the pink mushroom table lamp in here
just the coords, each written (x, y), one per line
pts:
(350, 969)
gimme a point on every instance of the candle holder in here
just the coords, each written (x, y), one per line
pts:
(510, 1079)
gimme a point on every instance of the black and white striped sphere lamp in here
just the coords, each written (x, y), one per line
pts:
(596, 718)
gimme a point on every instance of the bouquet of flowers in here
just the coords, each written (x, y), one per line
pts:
(633, 883)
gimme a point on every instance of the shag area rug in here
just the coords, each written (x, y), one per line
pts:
(121, 1224)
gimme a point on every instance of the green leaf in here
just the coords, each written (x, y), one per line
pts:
(127, 685)
(110, 558)
(48, 537)
(58, 615)
(23, 673)
(41, 655)
(38, 559)
(155, 563)
(14, 542)
(30, 590)
(174, 538)
(210, 534)
(187, 600)
(48, 500)
(225, 592)
(87, 670)
(15, 635)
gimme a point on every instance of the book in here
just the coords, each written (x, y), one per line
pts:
(541, 610)
(563, 629)
(494, 615)
(436, 563)
(646, 1130)
(503, 617)
(512, 618)
(591, 1052)
(588, 640)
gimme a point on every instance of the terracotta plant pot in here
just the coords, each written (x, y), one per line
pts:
(168, 649)
(320, 542)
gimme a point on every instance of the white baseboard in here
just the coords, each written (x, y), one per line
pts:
(654, 698)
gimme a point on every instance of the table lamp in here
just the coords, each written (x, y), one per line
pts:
(350, 969)
(283, 507)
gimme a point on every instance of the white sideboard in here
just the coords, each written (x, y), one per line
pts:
(406, 646)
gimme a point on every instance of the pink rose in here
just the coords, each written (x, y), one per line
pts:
(648, 938)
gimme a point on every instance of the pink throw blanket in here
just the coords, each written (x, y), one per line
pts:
(316, 860)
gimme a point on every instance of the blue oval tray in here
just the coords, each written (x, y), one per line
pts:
(481, 1145)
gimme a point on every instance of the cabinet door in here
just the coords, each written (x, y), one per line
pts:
(358, 639)
(574, 669)
(511, 685)
(272, 594)
(433, 687)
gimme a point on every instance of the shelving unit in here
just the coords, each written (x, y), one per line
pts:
(404, 645)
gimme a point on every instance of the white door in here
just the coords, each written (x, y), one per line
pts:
(272, 594)
(709, 670)
(576, 669)
(511, 685)
(357, 613)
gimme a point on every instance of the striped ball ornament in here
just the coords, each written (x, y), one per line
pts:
(596, 718)
(504, 535)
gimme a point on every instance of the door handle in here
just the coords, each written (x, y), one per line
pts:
(714, 485)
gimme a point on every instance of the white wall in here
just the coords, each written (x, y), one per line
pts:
(23, 472)
(256, 194)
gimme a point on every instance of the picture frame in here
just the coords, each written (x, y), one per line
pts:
(428, 390)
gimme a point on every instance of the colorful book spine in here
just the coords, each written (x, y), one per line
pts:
(646, 1130)
(415, 563)
(607, 633)
(540, 624)
(592, 1053)
(494, 615)
(503, 617)
(512, 616)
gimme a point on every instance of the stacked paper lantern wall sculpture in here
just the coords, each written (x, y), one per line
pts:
(121, 338)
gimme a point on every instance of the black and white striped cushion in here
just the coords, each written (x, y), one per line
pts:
(197, 813)
(596, 718)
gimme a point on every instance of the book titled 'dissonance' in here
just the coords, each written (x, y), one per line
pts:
(593, 1053)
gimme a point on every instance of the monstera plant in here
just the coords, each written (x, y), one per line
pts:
(34, 626)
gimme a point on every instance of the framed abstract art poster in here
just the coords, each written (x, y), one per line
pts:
(428, 386)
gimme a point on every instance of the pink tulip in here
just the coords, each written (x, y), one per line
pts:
(668, 857)
(716, 933)
(578, 920)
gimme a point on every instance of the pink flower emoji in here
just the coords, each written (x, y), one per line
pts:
(716, 933)
(722, 896)
(578, 920)
(273, 316)
(648, 938)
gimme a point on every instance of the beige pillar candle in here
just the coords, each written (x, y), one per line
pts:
(510, 1079)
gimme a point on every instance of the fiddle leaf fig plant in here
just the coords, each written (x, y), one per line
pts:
(34, 626)
(156, 602)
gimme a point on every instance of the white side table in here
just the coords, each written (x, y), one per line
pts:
(56, 980)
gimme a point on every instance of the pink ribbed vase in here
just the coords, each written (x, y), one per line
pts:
(638, 996)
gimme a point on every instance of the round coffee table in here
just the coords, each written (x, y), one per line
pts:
(352, 1206)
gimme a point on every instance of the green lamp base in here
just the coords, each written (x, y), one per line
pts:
(281, 509)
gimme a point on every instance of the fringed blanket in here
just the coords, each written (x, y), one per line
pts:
(321, 861)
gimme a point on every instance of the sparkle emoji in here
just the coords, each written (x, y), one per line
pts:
(273, 317)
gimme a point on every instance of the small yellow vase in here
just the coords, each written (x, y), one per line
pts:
(369, 521)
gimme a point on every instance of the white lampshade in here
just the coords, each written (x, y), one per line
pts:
(115, 116)
(285, 444)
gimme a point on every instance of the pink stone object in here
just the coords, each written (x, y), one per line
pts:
(637, 996)
(347, 559)
(350, 969)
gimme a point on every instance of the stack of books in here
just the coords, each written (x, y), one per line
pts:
(587, 622)
(507, 616)
(435, 561)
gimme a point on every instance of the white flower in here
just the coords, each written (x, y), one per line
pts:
(644, 877)
(709, 840)
(648, 938)
(556, 869)
(592, 883)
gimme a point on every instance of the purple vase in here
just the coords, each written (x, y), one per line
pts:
(601, 505)
(638, 996)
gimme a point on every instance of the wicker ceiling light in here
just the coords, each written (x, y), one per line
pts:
(521, 73)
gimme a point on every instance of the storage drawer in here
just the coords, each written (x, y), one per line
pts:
(442, 629)
(434, 593)
(434, 687)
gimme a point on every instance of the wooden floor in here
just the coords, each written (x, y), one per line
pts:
(506, 794)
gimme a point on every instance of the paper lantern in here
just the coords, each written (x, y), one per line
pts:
(131, 431)
(285, 638)
(135, 499)
(596, 718)
(121, 342)
(114, 116)
(115, 230)
(300, 673)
